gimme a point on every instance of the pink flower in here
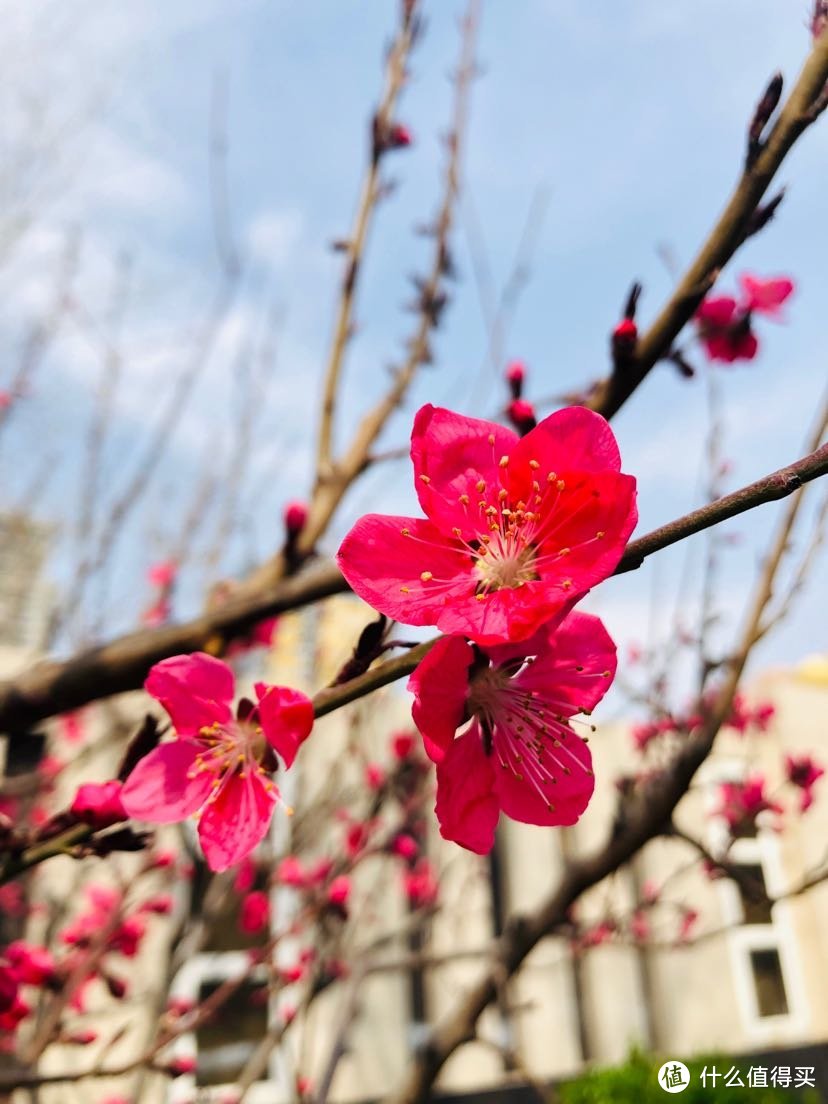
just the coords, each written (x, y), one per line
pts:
(291, 872)
(339, 891)
(83, 1037)
(255, 913)
(160, 905)
(516, 529)
(725, 324)
(177, 1067)
(765, 296)
(519, 756)
(99, 804)
(405, 846)
(71, 726)
(374, 776)
(804, 772)
(639, 926)
(725, 331)
(218, 767)
(598, 934)
(421, 885)
(163, 574)
(742, 802)
(689, 919)
(29, 964)
(402, 745)
(158, 613)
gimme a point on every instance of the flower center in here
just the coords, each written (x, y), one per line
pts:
(505, 563)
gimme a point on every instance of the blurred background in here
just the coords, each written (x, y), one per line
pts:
(174, 179)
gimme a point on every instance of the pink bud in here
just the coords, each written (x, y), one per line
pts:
(402, 745)
(405, 846)
(99, 804)
(162, 905)
(515, 372)
(295, 516)
(162, 860)
(291, 872)
(399, 137)
(625, 333)
(374, 776)
(177, 1067)
(255, 913)
(339, 891)
(163, 574)
(522, 415)
(82, 1038)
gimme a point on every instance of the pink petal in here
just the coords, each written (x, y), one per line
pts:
(286, 717)
(765, 296)
(378, 561)
(508, 614)
(571, 440)
(717, 311)
(451, 454)
(568, 797)
(233, 824)
(575, 663)
(466, 807)
(159, 789)
(439, 685)
(196, 690)
(602, 503)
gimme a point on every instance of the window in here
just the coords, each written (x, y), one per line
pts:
(762, 941)
(771, 998)
(226, 1041)
(753, 894)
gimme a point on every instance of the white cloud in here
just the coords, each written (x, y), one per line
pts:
(273, 236)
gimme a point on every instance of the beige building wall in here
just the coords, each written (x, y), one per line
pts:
(560, 1010)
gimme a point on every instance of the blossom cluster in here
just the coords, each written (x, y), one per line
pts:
(517, 529)
(725, 323)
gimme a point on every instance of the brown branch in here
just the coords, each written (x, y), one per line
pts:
(54, 687)
(725, 238)
(395, 75)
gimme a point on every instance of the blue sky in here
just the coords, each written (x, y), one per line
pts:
(630, 118)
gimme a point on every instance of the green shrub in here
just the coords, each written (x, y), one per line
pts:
(636, 1082)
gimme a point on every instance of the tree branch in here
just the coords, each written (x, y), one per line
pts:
(727, 235)
(57, 686)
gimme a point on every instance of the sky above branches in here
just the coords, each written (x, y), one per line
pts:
(624, 123)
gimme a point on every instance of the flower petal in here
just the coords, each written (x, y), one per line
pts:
(236, 821)
(765, 295)
(589, 526)
(286, 717)
(567, 797)
(196, 690)
(451, 455)
(466, 807)
(571, 440)
(716, 311)
(383, 554)
(160, 788)
(439, 685)
(575, 664)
